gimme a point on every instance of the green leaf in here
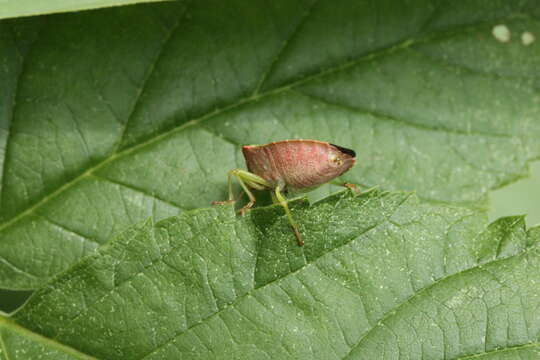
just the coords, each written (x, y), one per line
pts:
(17, 343)
(17, 8)
(381, 277)
(108, 117)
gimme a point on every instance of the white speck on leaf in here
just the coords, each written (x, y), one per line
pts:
(527, 38)
(501, 33)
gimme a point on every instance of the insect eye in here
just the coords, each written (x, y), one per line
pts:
(337, 160)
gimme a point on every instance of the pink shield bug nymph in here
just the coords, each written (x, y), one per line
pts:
(291, 166)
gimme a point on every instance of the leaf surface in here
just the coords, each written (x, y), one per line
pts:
(381, 276)
(18, 8)
(108, 117)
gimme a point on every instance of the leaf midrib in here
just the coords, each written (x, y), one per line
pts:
(5, 322)
(499, 350)
(253, 98)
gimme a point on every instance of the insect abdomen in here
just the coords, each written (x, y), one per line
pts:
(299, 164)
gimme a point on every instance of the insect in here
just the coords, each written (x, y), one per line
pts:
(289, 166)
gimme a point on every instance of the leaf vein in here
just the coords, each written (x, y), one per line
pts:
(136, 189)
(392, 312)
(66, 229)
(303, 19)
(499, 350)
(391, 118)
(3, 347)
(150, 71)
(16, 268)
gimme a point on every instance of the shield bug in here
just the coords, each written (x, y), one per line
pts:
(290, 166)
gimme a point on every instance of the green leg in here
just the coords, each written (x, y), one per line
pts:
(247, 180)
(283, 202)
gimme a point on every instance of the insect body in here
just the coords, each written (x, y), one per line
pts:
(290, 166)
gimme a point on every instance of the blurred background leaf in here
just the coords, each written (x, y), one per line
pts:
(18, 8)
(521, 197)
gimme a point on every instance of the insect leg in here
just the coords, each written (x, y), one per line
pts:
(247, 180)
(252, 180)
(283, 202)
(352, 187)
